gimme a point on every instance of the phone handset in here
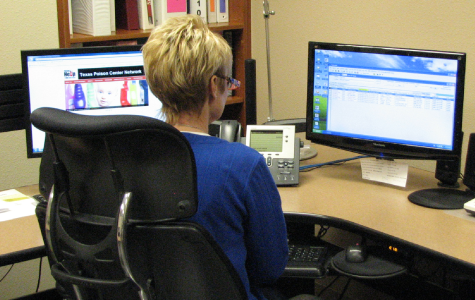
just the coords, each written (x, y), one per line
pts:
(229, 130)
(280, 148)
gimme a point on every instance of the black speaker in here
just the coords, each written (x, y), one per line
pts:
(448, 172)
(251, 109)
(469, 174)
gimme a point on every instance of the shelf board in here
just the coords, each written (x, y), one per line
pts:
(123, 34)
(234, 100)
(120, 34)
(225, 26)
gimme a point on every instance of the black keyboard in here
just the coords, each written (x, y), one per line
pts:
(306, 261)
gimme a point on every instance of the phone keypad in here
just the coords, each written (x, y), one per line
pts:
(285, 170)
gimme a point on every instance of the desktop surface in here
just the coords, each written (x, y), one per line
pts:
(21, 237)
(334, 192)
(340, 192)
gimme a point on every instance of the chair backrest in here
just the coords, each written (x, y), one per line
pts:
(119, 185)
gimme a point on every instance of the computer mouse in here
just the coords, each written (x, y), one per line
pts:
(356, 254)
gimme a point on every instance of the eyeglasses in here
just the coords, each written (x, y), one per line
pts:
(232, 83)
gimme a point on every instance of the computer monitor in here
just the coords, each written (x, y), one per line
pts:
(88, 80)
(386, 102)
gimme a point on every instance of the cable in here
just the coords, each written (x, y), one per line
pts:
(335, 162)
(322, 231)
(344, 289)
(11, 267)
(329, 285)
(39, 275)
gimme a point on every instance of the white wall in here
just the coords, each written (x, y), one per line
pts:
(435, 25)
(423, 24)
(23, 25)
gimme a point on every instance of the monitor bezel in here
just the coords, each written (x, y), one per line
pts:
(387, 149)
(58, 51)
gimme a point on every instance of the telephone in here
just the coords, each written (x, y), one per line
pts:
(280, 148)
(229, 130)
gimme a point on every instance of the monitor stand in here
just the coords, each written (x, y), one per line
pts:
(441, 198)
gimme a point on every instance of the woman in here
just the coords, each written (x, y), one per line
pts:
(188, 68)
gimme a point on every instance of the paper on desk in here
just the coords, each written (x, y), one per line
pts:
(14, 204)
(386, 171)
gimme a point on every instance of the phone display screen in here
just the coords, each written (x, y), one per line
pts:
(267, 140)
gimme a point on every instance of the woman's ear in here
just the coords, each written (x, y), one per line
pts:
(213, 88)
(215, 102)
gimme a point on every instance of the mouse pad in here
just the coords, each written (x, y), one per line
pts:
(373, 267)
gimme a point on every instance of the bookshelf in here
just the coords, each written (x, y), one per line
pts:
(239, 24)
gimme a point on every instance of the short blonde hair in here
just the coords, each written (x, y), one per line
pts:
(180, 57)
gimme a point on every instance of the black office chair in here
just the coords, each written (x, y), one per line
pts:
(120, 186)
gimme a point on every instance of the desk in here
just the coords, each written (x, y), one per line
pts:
(337, 195)
(21, 238)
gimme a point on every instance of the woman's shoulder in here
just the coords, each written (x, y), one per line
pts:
(221, 148)
(238, 149)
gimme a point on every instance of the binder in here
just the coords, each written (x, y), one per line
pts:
(112, 13)
(146, 15)
(127, 14)
(212, 12)
(222, 11)
(165, 9)
(91, 17)
(198, 7)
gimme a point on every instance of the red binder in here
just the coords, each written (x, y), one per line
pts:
(127, 14)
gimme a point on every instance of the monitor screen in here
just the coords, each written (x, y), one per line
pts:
(386, 102)
(89, 80)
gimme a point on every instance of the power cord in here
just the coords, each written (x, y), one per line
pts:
(329, 285)
(322, 231)
(344, 289)
(342, 294)
(39, 275)
(11, 267)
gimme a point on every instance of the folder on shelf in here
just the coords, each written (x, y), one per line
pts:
(222, 11)
(165, 9)
(198, 7)
(146, 15)
(212, 12)
(91, 17)
(112, 13)
(127, 14)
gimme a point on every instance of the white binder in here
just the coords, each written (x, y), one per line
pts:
(222, 11)
(91, 17)
(212, 12)
(146, 15)
(200, 8)
(112, 14)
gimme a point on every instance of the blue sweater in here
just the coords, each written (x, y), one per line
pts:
(240, 206)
